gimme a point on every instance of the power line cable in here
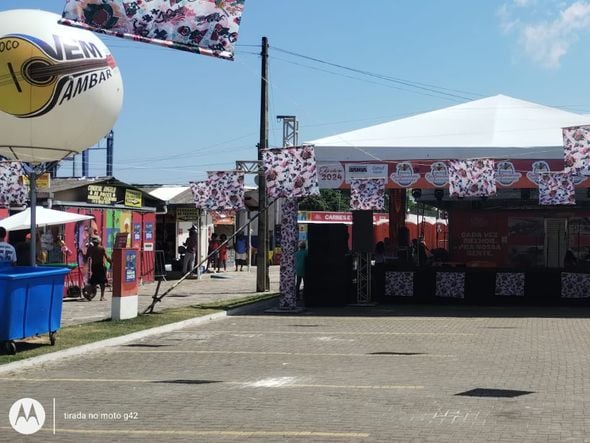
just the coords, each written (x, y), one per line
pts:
(423, 86)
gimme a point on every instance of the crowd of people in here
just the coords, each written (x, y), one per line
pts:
(217, 252)
(50, 249)
(18, 253)
(417, 253)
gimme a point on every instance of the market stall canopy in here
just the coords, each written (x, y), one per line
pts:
(44, 217)
(494, 127)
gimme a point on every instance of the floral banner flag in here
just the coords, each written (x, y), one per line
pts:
(576, 150)
(289, 237)
(399, 284)
(510, 284)
(556, 188)
(472, 178)
(226, 190)
(13, 191)
(200, 194)
(290, 172)
(208, 27)
(367, 194)
(450, 284)
(575, 285)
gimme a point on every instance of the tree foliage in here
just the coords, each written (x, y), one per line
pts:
(329, 200)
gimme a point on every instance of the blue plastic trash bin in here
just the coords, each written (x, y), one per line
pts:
(30, 302)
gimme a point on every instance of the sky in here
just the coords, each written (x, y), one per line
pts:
(337, 65)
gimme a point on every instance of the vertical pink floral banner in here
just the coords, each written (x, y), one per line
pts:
(289, 240)
(208, 27)
(472, 178)
(290, 172)
(367, 194)
(13, 191)
(576, 150)
(556, 188)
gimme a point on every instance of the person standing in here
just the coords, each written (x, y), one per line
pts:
(97, 255)
(212, 253)
(191, 248)
(222, 261)
(7, 251)
(23, 251)
(300, 259)
(241, 248)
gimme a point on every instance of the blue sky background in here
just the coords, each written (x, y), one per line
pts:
(185, 114)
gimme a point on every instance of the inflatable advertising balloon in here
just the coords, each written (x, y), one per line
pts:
(60, 88)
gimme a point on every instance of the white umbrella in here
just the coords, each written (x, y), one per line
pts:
(43, 217)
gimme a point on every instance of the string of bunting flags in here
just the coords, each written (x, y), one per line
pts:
(203, 27)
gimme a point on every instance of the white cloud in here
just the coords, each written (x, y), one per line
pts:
(523, 3)
(547, 41)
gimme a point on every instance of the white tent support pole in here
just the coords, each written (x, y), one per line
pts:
(33, 244)
(249, 242)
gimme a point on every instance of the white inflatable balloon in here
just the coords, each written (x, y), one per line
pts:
(60, 88)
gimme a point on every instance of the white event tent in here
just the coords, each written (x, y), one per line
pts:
(499, 127)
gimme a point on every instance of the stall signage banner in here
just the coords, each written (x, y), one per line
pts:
(187, 214)
(336, 217)
(133, 198)
(430, 174)
(149, 231)
(102, 195)
(43, 181)
(365, 170)
(136, 231)
(330, 176)
(476, 237)
(130, 266)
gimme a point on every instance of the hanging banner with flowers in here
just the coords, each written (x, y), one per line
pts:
(200, 192)
(289, 237)
(223, 191)
(226, 190)
(367, 194)
(472, 178)
(13, 191)
(290, 172)
(208, 27)
(576, 150)
(556, 188)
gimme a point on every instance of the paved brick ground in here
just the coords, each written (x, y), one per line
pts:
(189, 292)
(390, 373)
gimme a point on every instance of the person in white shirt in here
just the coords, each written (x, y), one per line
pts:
(7, 251)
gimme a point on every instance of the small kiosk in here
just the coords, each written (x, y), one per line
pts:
(125, 288)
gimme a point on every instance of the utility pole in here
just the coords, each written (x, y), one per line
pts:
(262, 256)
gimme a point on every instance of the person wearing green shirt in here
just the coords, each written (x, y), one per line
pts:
(300, 258)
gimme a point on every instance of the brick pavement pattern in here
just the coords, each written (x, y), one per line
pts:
(355, 374)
